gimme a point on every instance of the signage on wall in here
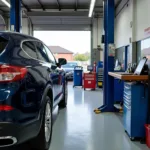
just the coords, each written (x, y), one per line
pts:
(147, 32)
(111, 49)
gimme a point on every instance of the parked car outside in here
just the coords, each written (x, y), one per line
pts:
(31, 85)
(69, 69)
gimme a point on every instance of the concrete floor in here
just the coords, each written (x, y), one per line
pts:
(78, 128)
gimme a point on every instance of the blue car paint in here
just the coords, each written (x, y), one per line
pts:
(26, 96)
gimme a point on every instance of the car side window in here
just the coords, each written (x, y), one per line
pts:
(42, 54)
(30, 49)
(50, 55)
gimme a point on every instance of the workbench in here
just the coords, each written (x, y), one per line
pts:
(128, 77)
(135, 103)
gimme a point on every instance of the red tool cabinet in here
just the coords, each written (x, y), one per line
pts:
(89, 80)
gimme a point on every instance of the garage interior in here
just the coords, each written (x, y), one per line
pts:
(78, 126)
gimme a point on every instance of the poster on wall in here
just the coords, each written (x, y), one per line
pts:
(147, 32)
(111, 50)
(145, 47)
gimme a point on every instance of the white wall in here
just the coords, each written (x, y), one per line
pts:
(132, 21)
(142, 18)
(26, 26)
(123, 30)
(97, 34)
(97, 31)
(2, 23)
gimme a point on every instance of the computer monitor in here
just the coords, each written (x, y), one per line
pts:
(140, 66)
(117, 63)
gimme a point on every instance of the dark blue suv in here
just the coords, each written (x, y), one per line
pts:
(32, 83)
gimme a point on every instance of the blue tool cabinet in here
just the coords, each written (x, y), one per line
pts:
(135, 109)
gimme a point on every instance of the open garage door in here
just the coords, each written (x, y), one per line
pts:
(61, 14)
(52, 22)
(74, 46)
(63, 23)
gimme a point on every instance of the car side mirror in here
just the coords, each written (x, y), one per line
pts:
(62, 61)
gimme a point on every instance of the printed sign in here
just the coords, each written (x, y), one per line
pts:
(111, 50)
(147, 32)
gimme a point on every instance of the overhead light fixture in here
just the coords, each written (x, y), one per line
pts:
(6, 3)
(91, 7)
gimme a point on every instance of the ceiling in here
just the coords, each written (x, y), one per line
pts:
(57, 14)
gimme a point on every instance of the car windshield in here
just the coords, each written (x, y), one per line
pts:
(70, 65)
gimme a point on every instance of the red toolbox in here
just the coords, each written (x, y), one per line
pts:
(147, 127)
(89, 80)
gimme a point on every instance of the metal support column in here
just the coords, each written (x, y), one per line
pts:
(91, 43)
(108, 98)
(15, 15)
(126, 58)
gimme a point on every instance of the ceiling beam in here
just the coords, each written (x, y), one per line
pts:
(63, 27)
(76, 5)
(73, 13)
(56, 7)
(59, 7)
(41, 5)
(25, 6)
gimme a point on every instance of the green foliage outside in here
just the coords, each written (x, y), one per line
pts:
(82, 57)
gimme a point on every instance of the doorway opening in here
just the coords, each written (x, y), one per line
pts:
(72, 45)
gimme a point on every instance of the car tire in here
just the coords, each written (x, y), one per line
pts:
(63, 102)
(43, 140)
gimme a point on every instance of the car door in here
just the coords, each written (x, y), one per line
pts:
(29, 96)
(58, 71)
(47, 66)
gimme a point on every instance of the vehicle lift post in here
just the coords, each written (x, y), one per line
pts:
(108, 98)
(15, 15)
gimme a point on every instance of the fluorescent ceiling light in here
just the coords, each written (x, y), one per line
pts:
(91, 7)
(6, 3)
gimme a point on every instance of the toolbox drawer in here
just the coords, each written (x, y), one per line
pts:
(127, 93)
(127, 119)
(127, 102)
(127, 86)
(127, 105)
(127, 96)
(127, 89)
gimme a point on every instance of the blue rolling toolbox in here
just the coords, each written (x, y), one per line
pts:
(77, 76)
(135, 109)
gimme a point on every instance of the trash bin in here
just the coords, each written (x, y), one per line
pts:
(77, 76)
(147, 127)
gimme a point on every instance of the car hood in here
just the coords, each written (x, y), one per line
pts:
(68, 69)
